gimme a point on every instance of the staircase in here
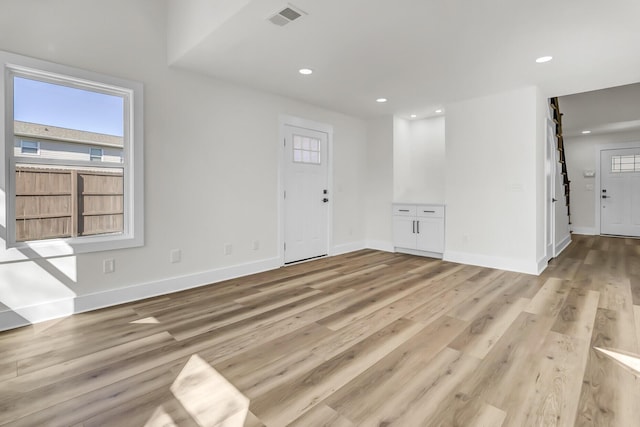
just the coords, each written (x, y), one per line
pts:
(557, 119)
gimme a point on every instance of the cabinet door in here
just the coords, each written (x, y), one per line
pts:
(430, 236)
(403, 232)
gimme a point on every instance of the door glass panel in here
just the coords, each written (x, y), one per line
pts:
(627, 163)
(306, 150)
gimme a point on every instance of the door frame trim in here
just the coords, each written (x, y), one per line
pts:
(598, 183)
(550, 153)
(288, 120)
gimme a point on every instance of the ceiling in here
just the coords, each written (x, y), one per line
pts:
(615, 109)
(420, 54)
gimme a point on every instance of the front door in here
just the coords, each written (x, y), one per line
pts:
(306, 198)
(620, 192)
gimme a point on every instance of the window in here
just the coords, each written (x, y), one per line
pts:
(306, 150)
(95, 154)
(628, 163)
(55, 194)
(29, 147)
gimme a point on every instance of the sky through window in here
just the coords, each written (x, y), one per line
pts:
(67, 107)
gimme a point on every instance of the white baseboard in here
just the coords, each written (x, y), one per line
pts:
(587, 231)
(380, 245)
(14, 318)
(542, 264)
(418, 253)
(345, 248)
(500, 263)
(563, 244)
(166, 286)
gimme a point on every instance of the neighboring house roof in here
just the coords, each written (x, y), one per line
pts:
(38, 131)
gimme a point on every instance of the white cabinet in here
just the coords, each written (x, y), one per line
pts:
(419, 229)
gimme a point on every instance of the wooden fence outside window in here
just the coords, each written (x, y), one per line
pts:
(57, 203)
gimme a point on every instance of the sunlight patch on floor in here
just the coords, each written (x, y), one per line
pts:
(146, 321)
(208, 397)
(160, 418)
(627, 360)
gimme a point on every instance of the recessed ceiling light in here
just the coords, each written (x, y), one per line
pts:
(381, 100)
(413, 116)
(305, 71)
(585, 132)
(543, 59)
(438, 111)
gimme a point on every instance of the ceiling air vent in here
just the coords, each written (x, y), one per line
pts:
(286, 15)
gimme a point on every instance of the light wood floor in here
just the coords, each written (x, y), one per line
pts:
(368, 338)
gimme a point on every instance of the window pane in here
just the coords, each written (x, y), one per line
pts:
(58, 194)
(95, 154)
(297, 142)
(29, 147)
(315, 157)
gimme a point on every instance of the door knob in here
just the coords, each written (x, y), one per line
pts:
(325, 200)
(553, 200)
(604, 196)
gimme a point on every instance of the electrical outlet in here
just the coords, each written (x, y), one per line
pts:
(228, 248)
(175, 255)
(256, 245)
(109, 266)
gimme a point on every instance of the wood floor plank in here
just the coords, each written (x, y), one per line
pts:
(609, 394)
(501, 379)
(486, 329)
(321, 416)
(489, 416)
(113, 396)
(61, 350)
(364, 338)
(296, 397)
(38, 378)
(616, 298)
(388, 294)
(552, 400)
(358, 399)
(550, 299)
(8, 370)
(197, 327)
(421, 396)
(450, 294)
(577, 314)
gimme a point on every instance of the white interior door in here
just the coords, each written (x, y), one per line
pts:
(306, 198)
(620, 192)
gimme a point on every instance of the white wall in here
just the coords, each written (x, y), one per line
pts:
(211, 163)
(418, 160)
(492, 180)
(379, 191)
(190, 21)
(581, 155)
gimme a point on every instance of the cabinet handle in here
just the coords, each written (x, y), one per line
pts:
(429, 211)
(403, 210)
(418, 226)
(413, 225)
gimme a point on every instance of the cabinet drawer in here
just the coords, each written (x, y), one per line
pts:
(430, 211)
(404, 210)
